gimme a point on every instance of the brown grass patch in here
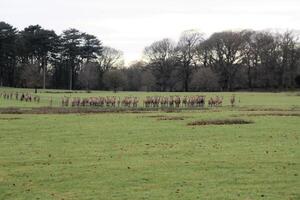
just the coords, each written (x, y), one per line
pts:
(171, 118)
(61, 110)
(10, 111)
(82, 110)
(9, 118)
(154, 116)
(259, 114)
(219, 122)
(281, 114)
(296, 108)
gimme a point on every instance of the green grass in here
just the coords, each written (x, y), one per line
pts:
(134, 156)
(244, 99)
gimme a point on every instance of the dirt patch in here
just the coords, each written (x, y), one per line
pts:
(81, 110)
(154, 116)
(296, 108)
(170, 118)
(274, 114)
(60, 110)
(280, 114)
(10, 111)
(219, 122)
(9, 118)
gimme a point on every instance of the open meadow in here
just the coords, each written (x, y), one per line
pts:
(247, 151)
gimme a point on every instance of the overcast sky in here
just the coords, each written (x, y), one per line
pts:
(130, 25)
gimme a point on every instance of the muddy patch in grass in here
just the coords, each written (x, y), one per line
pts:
(70, 110)
(164, 117)
(154, 116)
(219, 122)
(85, 110)
(171, 118)
(9, 118)
(292, 109)
(261, 114)
(281, 114)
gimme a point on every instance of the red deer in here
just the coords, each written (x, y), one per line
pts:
(177, 101)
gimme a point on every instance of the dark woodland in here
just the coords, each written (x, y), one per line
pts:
(224, 61)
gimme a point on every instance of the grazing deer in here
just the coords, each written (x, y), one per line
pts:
(219, 101)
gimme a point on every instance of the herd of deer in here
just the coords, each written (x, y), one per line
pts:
(22, 97)
(129, 101)
(174, 101)
(100, 101)
(148, 102)
(186, 101)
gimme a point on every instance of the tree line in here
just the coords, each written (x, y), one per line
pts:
(39, 58)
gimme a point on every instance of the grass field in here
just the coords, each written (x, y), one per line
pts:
(247, 99)
(155, 154)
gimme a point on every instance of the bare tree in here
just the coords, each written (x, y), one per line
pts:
(226, 54)
(186, 53)
(203, 54)
(288, 59)
(161, 59)
(267, 51)
(109, 59)
(250, 55)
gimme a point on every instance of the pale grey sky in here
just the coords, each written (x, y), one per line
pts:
(130, 25)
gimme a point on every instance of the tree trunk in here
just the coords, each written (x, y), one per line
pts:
(249, 78)
(186, 80)
(71, 79)
(1, 76)
(186, 85)
(44, 74)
